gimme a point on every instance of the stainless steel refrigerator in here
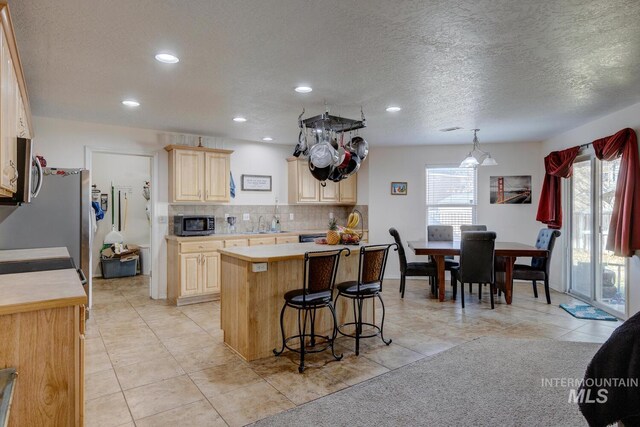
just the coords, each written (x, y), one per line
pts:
(59, 216)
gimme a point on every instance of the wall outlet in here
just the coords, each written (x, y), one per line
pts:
(331, 215)
(259, 267)
(226, 216)
(290, 217)
(246, 217)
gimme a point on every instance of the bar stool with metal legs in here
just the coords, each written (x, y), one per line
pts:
(320, 269)
(373, 260)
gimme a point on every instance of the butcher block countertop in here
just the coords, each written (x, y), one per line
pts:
(39, 290)
(13, 255)
(272, 253)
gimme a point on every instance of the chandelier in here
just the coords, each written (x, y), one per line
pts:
(476, 156)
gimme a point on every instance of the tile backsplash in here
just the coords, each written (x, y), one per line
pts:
(305, 217)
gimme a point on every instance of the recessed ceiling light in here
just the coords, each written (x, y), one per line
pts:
(167, 58)
(303, 89)
(393, 109)
(130, 103)
(239, 119)
(267, 138)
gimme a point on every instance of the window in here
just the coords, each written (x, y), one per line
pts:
(451, 196)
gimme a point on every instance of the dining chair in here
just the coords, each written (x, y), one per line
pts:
(319, 278)
(373, 260)
(413, 269)
(442, 233)
(477, 256)
(474, 227)
(539, 268)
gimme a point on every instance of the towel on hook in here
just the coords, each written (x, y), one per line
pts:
(232, 186)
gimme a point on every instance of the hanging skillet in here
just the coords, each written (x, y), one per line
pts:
(321, 174)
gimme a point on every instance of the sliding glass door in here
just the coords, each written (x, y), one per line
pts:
(582, 280)
(596, 275)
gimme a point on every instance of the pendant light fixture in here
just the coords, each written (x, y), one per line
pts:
(476, 156)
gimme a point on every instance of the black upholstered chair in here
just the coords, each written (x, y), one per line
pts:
(320, 269)
(539, 268)
(442, 233)
(412, 269)
(373, 260)
(476, 262)
(473, 227)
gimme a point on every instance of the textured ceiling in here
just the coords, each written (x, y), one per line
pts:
(520, 70)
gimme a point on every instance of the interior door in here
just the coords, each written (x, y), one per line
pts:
(582, 225)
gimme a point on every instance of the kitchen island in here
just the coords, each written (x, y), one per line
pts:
(254, 280)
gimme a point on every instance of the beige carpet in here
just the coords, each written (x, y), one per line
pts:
(485, 382)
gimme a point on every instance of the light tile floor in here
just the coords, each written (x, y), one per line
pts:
(152, 364)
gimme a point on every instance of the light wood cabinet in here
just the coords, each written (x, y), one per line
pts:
(199, 174)
(193, 270)
(233, 243)
(15, 118)
(256, 241)
(217, 169)
(281, 240)
(305, 189)
(330, 192)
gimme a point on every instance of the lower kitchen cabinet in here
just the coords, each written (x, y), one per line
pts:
(281, 240)
(193, 271)
(256, 241)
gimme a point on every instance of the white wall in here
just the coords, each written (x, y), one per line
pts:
(604, 126)
(128, 175)
(408, 214)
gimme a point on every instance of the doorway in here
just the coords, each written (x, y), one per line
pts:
(122, 185)
(596, 274)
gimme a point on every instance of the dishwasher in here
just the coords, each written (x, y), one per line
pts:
(310, 238)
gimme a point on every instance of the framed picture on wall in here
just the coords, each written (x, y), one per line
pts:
(398, 188)
(256, 183)
(510, 190)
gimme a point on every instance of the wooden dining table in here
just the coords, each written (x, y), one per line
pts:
(506, 254)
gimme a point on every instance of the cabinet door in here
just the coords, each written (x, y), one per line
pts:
(8, 118)
(308, 186)
(235, 243)
(287, 239)
(188, 175)
(23, 129)
(190, 274)
(257, 241)
(217, 168)
(210, 272)
(330, 192)
(349, 190)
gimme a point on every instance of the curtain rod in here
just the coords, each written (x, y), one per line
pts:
(585, 145)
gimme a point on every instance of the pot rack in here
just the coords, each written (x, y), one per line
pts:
(336, 124)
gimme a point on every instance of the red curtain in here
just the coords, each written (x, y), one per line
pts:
(558, 164)
(624, 229)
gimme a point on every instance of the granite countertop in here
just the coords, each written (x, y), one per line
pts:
(229, 236)
(272, 253)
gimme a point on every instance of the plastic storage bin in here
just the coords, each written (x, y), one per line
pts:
(113, 267)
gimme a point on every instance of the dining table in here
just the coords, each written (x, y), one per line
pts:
(505, 253)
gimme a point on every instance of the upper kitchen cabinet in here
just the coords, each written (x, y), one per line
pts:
(198, 174)
(15, 116)
(305, 189)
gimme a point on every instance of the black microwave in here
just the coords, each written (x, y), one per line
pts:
(194, 225)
